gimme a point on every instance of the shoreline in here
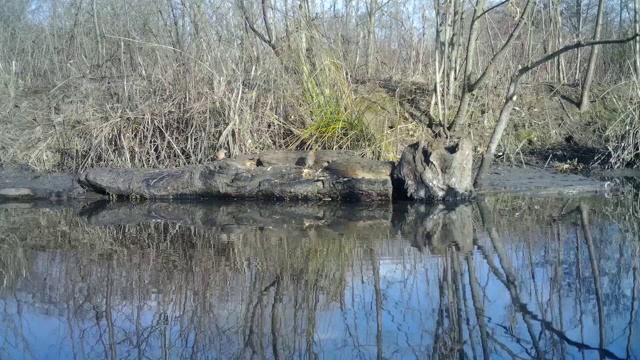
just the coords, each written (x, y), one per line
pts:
(24, 184)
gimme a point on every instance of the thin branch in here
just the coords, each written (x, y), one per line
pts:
(265, 18)
(156, 45)
(577, 45)
(491, 8)
(260, 35)
(503, 49)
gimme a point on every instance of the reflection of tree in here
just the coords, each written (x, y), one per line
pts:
(449, 334)
(595, 270)
(634, 300)
(478, 306)
(169, 290)
(108, 309)
(509, 281)
(375, 266)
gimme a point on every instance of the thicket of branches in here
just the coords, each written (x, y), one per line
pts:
(160, 83)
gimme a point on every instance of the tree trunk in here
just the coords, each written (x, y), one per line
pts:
(560, 64)
(437, 94)
(371, 48)
(430, 171)
(636, 21)
(453, 53)
(346, 31)
(308, 8)
(584, 101)
(503, 120)
(469, 87)
(469, 60)
(97, 30)
(579, 37)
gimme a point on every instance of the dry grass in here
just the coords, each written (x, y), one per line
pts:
(622, 136)
(169, 117)
(160, 84)
(172, 115)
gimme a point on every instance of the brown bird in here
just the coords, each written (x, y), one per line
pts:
(310, 159)
(221, 154)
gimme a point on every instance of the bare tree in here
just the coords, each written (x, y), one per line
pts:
(636, 23)
(268, 37)
(512, 95)
(557, 17)
(470, 86)
(98, 34)
(371, 38)
(584, 101)
(578, 37)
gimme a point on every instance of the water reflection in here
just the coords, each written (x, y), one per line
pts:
(507, 277)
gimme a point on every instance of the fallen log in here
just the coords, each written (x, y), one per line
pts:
(289, 175)
(274, 175)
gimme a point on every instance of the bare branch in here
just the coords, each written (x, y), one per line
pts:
(265, 18)
(503, 50)
(512, 94)
(264, 38)
(577, 45)
(493, 7)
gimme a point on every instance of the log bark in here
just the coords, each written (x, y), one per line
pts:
(426, 171)
(273, 176)
(436, 228)
(432, 172)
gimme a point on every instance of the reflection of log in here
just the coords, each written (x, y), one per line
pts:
(327, 221)
(428, 171)
(437, 227)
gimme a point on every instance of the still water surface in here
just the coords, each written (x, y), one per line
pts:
(506, 277)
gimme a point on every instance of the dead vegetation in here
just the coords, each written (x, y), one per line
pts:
(153, 84)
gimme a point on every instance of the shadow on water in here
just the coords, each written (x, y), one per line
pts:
(510, 277)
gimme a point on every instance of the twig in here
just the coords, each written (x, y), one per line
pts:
(164, 47)
(549, 159)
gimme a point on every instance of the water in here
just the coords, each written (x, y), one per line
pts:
(507, 277)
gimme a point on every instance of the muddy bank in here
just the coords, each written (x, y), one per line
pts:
(542, 181)
(23, 183)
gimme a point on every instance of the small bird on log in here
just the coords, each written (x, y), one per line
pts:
(221, 154)
(310, 159)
